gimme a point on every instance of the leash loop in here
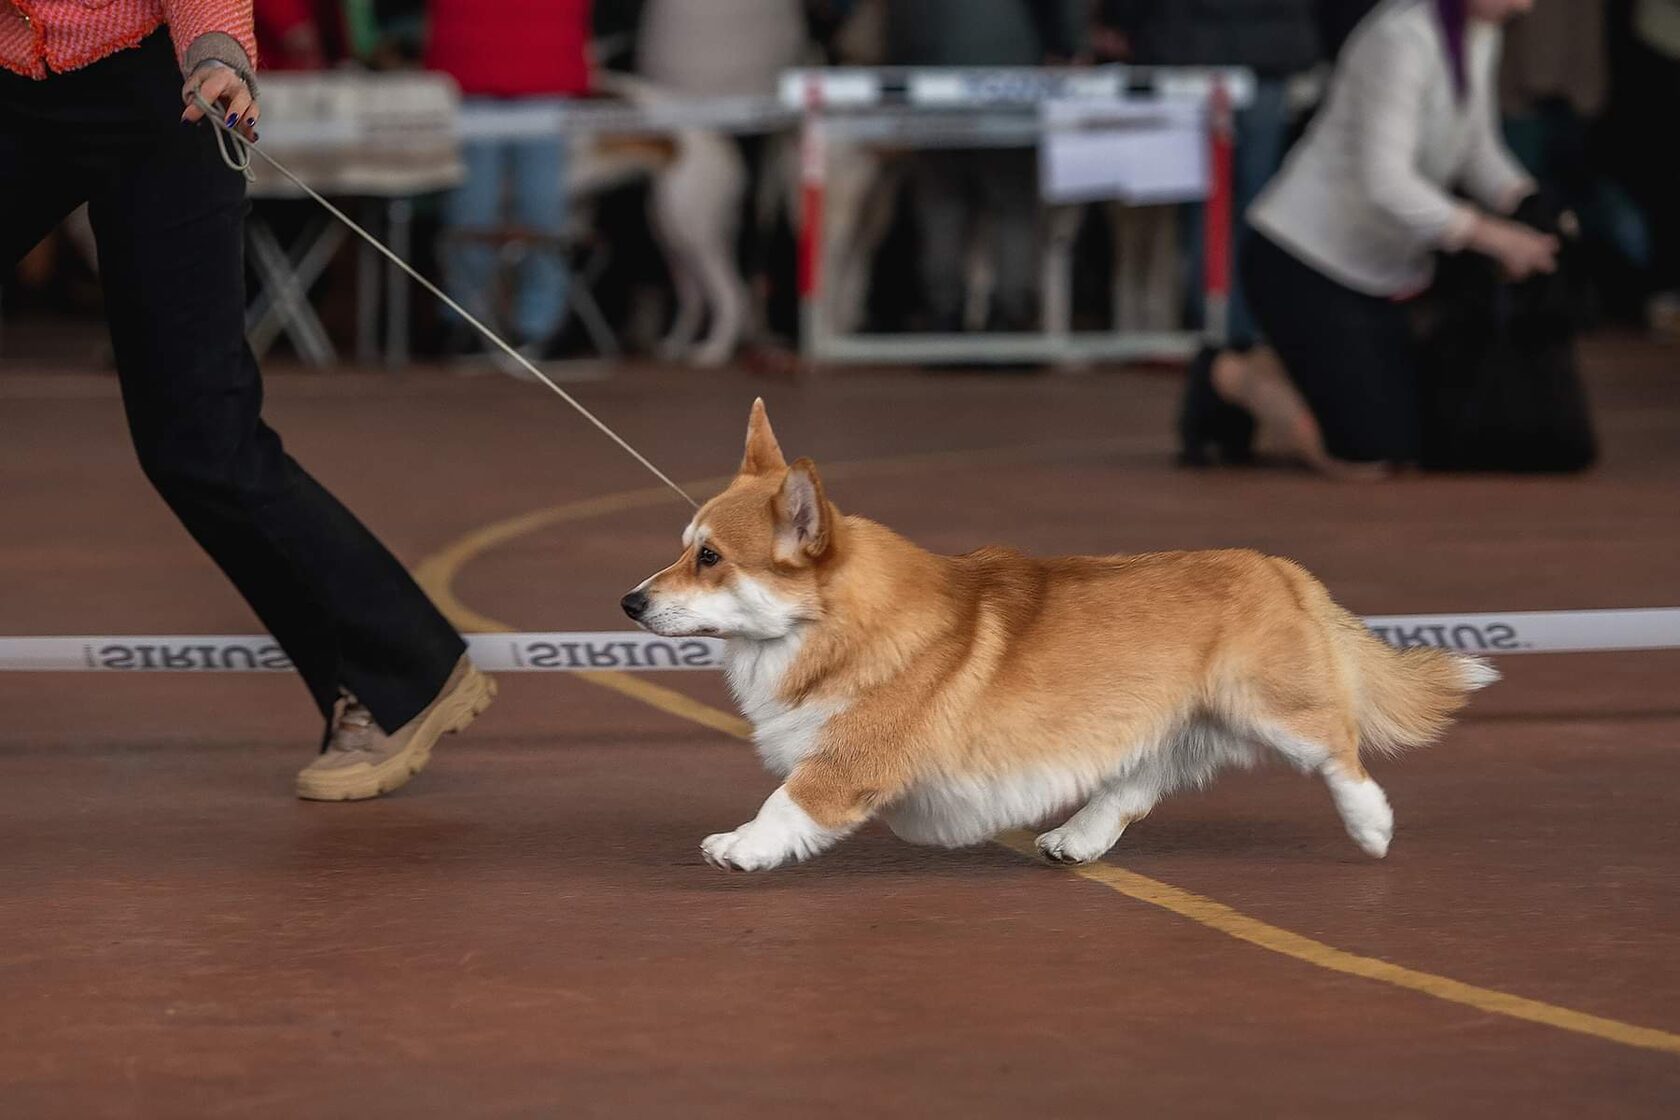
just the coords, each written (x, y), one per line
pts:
(231, 144)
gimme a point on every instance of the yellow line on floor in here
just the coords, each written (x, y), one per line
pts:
(437, 572)
(437, 575)
(670, 700)
(1234, 923)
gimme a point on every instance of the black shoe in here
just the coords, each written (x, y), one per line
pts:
(1206, 419)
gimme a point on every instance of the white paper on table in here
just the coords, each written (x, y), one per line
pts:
(1142, 153)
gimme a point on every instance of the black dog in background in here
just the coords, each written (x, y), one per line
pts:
(1501, 378)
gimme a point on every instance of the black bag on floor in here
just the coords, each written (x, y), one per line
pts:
(1501, 385)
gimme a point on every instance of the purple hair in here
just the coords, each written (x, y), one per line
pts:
(1455, 18)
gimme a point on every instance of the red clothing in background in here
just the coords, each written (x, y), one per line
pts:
(511, 48)
(41, 36)
(300, 34)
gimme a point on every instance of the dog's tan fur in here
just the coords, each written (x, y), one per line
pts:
(986, 669)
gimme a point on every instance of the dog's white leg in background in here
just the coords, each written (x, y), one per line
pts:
(859, 208)
(1056, 268)
(694, 206)
(726, 297)
(1091, 832)
(691, 307)
(781, 833)
(846, 285)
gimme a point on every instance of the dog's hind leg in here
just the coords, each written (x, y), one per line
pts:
(1330, 746)
(1362, 804)
(1091, 832)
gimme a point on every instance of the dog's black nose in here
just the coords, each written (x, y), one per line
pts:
(635, 604)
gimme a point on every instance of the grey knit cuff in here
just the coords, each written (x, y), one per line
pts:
(220, 47)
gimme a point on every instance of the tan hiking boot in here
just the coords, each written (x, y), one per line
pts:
(361, 761)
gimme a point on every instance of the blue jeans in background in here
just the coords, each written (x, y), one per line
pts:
(518, 183)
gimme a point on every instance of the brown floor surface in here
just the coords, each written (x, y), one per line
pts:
(529, 930)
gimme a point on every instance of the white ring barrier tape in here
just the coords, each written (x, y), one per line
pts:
(1535, 631)
(633, 651)
(206, 653)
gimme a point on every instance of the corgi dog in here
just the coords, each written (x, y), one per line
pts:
(955, 697)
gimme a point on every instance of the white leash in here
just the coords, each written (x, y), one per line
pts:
(236, 152)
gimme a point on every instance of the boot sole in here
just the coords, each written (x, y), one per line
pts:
(449, 715)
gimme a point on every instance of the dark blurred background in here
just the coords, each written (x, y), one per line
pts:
(1589, 91)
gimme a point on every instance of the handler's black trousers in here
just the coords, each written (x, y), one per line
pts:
(168, 216)
(1353, 356)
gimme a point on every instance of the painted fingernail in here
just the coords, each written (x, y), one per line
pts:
(254, 135)
(233, 119)
(252, 119)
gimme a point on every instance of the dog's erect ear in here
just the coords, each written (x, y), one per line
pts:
(804, 519)
(764, 454)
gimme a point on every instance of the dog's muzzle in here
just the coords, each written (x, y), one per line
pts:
(635, 604)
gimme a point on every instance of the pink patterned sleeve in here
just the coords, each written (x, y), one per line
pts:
(213, 30)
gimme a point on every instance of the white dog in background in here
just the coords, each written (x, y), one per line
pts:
(698, 187)
(697, 184)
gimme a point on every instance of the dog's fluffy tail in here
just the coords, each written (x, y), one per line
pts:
(1406, 697)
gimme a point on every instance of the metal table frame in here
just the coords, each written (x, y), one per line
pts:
(993, 108)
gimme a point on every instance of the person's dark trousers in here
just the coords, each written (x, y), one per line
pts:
(1353, 356)
(168, 216)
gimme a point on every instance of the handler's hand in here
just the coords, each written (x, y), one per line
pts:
(221, 86)
(1520, 251)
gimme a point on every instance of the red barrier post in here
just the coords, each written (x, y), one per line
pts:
(813, 166)
(1216, 262)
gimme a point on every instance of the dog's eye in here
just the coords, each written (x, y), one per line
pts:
(706, 558)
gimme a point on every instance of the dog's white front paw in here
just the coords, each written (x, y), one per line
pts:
(743, 850)
(1072, 845)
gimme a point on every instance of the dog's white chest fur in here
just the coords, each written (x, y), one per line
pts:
(783, 734)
